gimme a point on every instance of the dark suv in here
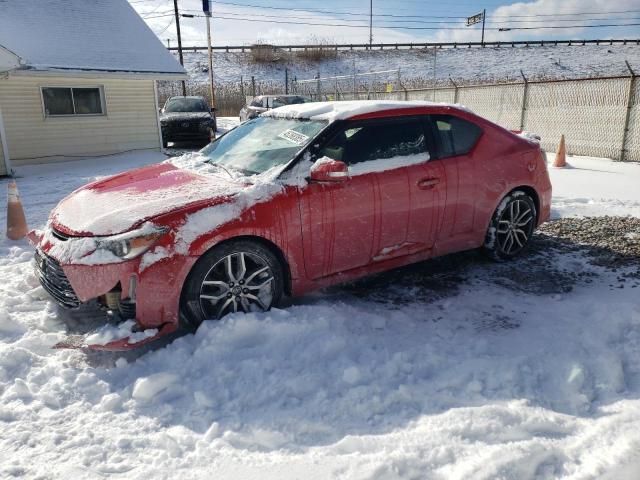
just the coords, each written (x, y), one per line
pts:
(187, 119)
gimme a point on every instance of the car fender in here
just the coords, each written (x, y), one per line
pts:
(290, 254)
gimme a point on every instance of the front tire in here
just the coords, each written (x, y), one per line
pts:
(511, 226)
(240, 275)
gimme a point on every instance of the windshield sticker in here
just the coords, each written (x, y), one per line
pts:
(294, 137)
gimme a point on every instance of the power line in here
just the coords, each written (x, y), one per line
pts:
(333, 12)
(411, 28)
(419, 21)
(166, 28)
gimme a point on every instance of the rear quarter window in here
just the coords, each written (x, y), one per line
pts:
(456, 136)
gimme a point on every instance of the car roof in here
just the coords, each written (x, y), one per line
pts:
(288, 95)
(192, 97)
(333, 111)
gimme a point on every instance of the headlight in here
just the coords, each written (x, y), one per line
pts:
(132, 244)
(206, 124)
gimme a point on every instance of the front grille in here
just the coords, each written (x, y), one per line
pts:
(184, 127)
(54, 280)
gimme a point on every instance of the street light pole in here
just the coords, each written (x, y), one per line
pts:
(484, 14)
(177, 14)
(211, 87)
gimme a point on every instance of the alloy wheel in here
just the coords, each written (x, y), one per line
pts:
(515, 227)
(240, 281)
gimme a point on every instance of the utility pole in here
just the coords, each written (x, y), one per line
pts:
(484, 15)
(177, 14)
(211, 86)
(370, 24)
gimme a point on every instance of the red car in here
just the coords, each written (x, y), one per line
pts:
(302, 197)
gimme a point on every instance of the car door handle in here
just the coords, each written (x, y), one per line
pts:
(427, 183)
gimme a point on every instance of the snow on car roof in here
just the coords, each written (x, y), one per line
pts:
(333, 111)
(79, 35)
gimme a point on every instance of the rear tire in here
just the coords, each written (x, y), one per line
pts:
(240, 275)
(511, 227)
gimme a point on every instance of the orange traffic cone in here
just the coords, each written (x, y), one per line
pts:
(16, 222)
(561, 155)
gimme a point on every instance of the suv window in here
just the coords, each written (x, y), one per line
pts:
(375, 141)
(185, 104)
(457, 136)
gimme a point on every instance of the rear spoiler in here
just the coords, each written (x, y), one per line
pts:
(534, 137)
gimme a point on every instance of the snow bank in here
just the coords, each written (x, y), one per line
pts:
(594, 187)
(463, 65)
(335, 386)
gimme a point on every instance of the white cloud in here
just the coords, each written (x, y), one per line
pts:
(516, 11)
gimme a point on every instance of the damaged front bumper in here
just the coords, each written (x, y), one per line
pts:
(123, 290)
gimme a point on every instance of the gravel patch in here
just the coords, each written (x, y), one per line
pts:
(611, 242)
(563, 253)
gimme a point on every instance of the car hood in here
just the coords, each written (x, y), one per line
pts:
(117, 204)
(179, 116)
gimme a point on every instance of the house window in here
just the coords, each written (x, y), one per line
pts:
(64, 101)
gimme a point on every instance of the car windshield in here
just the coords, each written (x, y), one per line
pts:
(186, 105)
(262, 143)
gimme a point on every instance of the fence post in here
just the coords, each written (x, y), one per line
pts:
(455, 90)
(319, 87)
(286, 81)
(525, 97)
(399, 85)
(253, 86)
(625, 132)
(242, 88)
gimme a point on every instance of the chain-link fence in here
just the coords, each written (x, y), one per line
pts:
(598, 116)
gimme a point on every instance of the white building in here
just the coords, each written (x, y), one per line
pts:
(77, 79)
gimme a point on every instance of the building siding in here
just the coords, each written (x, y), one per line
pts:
(129, 124)
(3, 166)
(3, 170)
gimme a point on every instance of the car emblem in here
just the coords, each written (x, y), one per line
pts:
(185, 124)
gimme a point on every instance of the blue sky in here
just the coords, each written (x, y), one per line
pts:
(426, 20)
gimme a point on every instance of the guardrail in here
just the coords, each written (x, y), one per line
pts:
(411, 46)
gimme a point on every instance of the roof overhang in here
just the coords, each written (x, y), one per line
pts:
(8, 60)
(76, 73)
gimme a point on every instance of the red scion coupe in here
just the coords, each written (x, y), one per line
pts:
(302, 197)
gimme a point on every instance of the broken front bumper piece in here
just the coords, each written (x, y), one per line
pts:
(128, 342)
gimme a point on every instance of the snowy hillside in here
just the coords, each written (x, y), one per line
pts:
(463, 64)
(456, 368)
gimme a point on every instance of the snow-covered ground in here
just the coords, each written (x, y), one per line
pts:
(420, 373)
(462, 64)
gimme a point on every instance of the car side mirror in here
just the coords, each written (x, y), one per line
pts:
(327, 170)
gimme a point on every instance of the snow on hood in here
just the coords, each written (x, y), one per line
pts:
(333, 111)
(119, 203)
